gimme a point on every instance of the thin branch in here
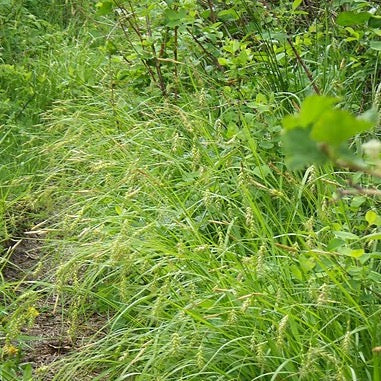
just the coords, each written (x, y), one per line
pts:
(214, 59)
(359, 190)
(125, 32)
(157, 62)
(358, 168)
(304, 66)
(213, 17)
(163, 44)
(170, 60)
(26, 104)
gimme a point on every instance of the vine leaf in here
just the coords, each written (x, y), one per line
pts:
(104, 7)
(336, 126)
(352, 18)
(300, 150)
(319, 132)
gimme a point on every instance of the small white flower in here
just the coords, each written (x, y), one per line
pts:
(372, 148)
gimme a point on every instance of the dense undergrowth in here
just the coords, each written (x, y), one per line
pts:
(144, 141)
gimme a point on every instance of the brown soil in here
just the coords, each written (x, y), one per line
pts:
(47, 340)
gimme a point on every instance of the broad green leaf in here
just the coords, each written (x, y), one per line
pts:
(357, 201)
(232, 130)
(175, 17)
(223, 61)
(261, 98)
(337, 126)
(103, 7)
(276, 35)
(355, 36)
(345, 235)
(300, 149)
(375, 45)
(228, 15)
(364, 258)
(296, 3)
(27, 373)
(296, 272)
(354, 253)
(307, 263)
(352, 18)
(371, 217)
(232, 46)
(334, 244)
(290, 122)
(313, 107)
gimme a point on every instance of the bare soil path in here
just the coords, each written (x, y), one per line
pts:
(47, 340)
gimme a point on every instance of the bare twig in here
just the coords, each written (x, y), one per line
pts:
(304, 66)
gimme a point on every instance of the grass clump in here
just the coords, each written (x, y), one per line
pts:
(168, 214)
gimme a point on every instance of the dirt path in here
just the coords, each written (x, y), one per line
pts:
(47, 340)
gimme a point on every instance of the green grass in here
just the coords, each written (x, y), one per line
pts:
(176, 237)
(176, 222)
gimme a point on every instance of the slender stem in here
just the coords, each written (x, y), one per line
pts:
(163, 43)
(357, 168)
(157, 62)
(125, 32)
(304, 66)
(212, 13)
(359, 190)
(175, 56)
(214, 59)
